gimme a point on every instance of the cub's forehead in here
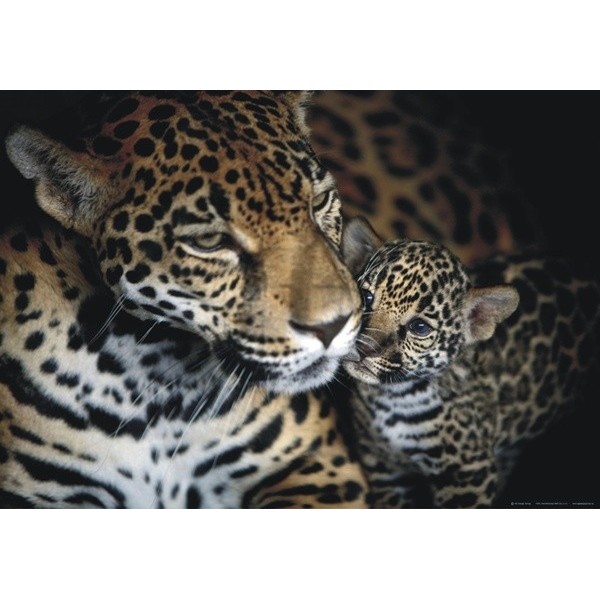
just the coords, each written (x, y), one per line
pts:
(415, 267)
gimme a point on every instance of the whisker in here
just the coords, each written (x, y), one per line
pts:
(248, 398)
(201, 403)
(172, 366)
(228, 422)
(132, 412)
(162, 388)
(147, 332)
(369, 345)
(111, 317)
(368, 341)
(219, 403)
(222, 396)
(375, 329)
(340, 382)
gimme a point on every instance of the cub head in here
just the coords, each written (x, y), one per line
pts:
(209, 212)
(420, 309)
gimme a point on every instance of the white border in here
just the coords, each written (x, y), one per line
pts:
(309, 45)
(430, 44)
(299, 554)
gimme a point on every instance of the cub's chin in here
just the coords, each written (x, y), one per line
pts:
(360, 372)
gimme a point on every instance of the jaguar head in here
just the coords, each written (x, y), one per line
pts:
(420, 309)
(209, 212)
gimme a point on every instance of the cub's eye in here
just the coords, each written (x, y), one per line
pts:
(419, 328)
(367, 298)
(208, 242)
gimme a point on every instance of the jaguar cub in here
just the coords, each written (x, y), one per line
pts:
(455, 369)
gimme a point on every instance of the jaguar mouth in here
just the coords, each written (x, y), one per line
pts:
(314, 375)
(275, 376)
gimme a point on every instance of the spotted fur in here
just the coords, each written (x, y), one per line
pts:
(417, 166)
(160, 331)
(451, 377)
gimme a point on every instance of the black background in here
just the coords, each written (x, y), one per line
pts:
(553, 141)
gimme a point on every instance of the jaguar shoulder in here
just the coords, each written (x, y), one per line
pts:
(418, 165)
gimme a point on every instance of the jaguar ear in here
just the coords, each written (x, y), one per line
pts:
(73, 187)
(359, 242)
(486, 307)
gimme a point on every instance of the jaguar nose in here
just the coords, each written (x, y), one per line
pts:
(326, 332)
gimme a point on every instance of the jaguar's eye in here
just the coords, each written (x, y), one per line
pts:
(367, 298)
(208, 242)
(321, 200)
(419, 327)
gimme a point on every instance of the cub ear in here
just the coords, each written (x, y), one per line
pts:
(73, 187)
(486, 307)
(359, 242)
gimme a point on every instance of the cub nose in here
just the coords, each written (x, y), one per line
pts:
(326, 332)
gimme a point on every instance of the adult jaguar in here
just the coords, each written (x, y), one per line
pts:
(452, 378)
(160, 333)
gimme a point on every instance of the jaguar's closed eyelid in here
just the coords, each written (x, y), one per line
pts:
(324, 201)
(321, 199)
(208, 241)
